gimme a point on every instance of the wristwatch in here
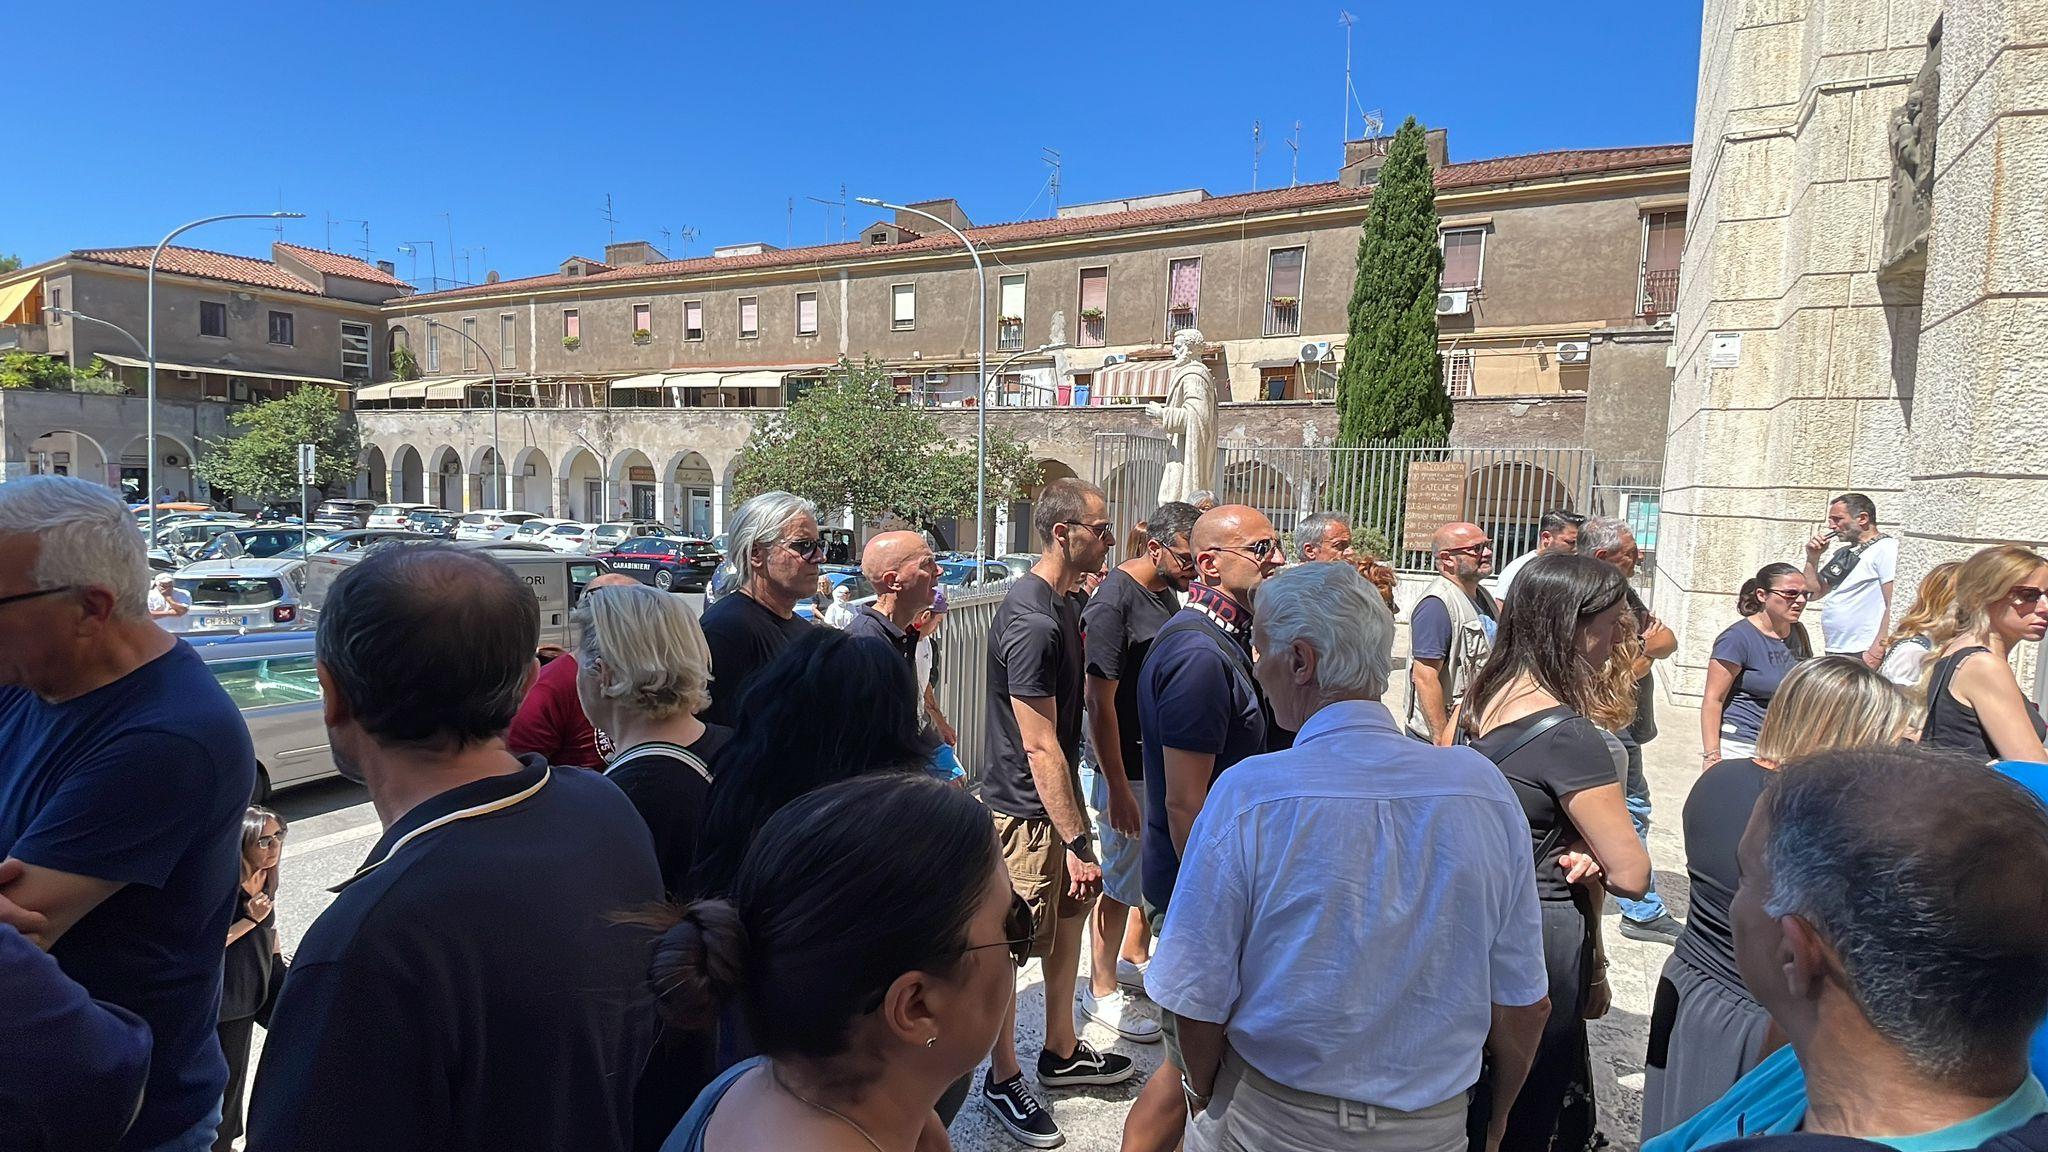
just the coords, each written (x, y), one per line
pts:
(1083, 847)
(1196, 1101)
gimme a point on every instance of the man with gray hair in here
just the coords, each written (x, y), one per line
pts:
(124, 773)
(1891, 921)
(1319, 1003)
(775, 551)
(1323, 536)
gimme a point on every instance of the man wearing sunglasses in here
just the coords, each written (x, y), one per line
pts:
(1137, 599)
(1200, 710)
(124, 773)
(1031, 784)
(1451, 629)
(775, 556)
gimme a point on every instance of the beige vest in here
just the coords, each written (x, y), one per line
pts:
(1468, 651)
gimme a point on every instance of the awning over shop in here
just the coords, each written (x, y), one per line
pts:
(1144, 379)
(410, 390)
(220, 370)
(447, 390)
(634, 383)
(14, 297)
(758, 379)
(694, 379)
(374, 392)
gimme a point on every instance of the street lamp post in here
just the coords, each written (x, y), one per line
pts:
(125, 334)
(1041, 350)
(503, 487)
(604, 477)
(149, 353)
(980, 368)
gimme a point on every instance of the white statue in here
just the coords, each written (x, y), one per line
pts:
(1189, 417)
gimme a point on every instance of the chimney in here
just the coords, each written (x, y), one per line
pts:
(628, 252)
(1363, 158)
(387, 267)
(491, 277)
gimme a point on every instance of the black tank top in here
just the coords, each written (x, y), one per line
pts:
(1954, 724)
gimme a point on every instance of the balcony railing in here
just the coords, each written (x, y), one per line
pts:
(1177, 318)
(1009, 335)
(1283, 317)
(1659, 294)
(1093, 331)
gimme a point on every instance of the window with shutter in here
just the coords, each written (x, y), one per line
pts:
(572, 325)
(750, 317)
(508, 339)
(807, 313)
(1094, 307)
(1464, 257)
(1183, 293)
(643, 318)
(693, 320)
(1010, 313)
(903, 307)
(469, 344)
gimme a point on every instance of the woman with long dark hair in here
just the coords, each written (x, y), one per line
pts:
(863, 1019)
(1750, 657)
(1974, 704)
(255, 965)
(1528, 712)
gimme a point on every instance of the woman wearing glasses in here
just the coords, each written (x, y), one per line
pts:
(254, 968)
(1973, 703)
(863, 1020)
(1750, 657)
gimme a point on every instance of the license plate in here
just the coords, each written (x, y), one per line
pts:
(223, 621)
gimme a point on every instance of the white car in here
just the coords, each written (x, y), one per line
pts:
(529, 532)
(567, 536)
(393, 515)
(238, 595)
(491, 524)
(613, 533)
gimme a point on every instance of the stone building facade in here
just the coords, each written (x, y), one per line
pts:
(1864, 300)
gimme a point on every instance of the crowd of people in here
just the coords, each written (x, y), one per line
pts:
(719, 884)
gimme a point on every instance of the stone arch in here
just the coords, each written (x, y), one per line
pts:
(373, 475)
(1264, 487)
(692, 489)
(636, 485)
(1509, 498)
(583, 486)
(485, 481)
(411, 472)
(533, 481)
(64, 452)
(173, 466)
(445, 478)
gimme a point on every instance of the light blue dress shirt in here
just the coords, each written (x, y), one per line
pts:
(1350, 910)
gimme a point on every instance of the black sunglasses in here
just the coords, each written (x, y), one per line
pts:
(1018, 926)
(1103, 531)
(1257, 549)
(808, 549)
(6, 600)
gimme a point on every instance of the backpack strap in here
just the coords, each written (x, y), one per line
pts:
(661, 748)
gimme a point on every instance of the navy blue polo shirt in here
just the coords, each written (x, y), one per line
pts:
(141, 782)
(467, 989)
(1195, 695)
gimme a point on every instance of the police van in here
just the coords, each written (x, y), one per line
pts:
(557, 579)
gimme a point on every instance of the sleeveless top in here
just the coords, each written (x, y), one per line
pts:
(1954, 724)
(689, 1132)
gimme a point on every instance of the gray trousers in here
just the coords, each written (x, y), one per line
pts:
(1249, 1113)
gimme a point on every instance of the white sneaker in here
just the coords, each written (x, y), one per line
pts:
(1131, 975)
(1119, 1013)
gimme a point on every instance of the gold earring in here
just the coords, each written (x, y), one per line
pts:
(931, 1041)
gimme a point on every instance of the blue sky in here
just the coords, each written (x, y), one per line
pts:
(515, 119)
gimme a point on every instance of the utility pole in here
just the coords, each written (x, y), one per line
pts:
(1258, 146)
(611, 222)
(1294, 162)
(1344, 120)
(1052, 157)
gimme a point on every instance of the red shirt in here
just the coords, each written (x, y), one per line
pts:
(551, 721)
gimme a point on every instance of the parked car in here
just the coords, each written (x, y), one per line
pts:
(557, 580)
(349, 540)
(239, 595)
(530, 531)
(567, 536)
(257, 543)
(667, 564)
(860, 591)
(431, 522)
(392, 515)
(959, 573)
(491, 524)
(279, 511)
(612, 533)
(270, 678)
(1018, 562)
(353, 513)
(164, 512)
(181, 543)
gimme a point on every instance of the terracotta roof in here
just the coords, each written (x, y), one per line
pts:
(335, 264)
(200, 262)
(1472, 174)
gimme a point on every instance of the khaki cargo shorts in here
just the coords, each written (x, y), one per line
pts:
(1038, 871)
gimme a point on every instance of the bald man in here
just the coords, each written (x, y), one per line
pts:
(550, 721)
(900, 566)
(1451, 629)
(1199, 712)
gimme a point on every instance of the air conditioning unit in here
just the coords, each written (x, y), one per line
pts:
(171, 461)
(1315, 352)
(935, 379)
(184, 375)
(1456, 303)
(1571, 352)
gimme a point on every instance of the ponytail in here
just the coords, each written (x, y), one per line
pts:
(1750, 600)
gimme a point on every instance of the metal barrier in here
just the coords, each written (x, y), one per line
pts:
(962, 659)
(1128, 469)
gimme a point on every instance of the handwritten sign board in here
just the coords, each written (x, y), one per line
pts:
(1435, 497)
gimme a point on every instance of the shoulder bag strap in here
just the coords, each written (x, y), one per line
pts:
(1556, 832)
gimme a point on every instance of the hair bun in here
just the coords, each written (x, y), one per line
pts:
(698, 963)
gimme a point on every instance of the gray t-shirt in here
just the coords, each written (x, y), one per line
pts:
(1761, 662)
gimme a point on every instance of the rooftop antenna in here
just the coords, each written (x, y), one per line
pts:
(688, 234)
(829, 205)
(611, 222)
(467, 271)
(1051, 157)
(1294, 163)
(665, 234)
(332, 220)
(1375, 124)
(1258, 146)
(448, 220)
(789, 225)
(1344, 124)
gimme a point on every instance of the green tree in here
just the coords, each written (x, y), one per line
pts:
(20, 369)
(10, 263)
(404, 365)
(262, 462)
(849, 442)
(1391, 385)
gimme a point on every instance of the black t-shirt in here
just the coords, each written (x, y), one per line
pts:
(1034, 652)
(245, 978)
(669, 785)
(1118, 625)
(1716, 813)
(743, 635)
(1568, 758)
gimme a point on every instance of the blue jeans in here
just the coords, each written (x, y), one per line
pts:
(1651, 905)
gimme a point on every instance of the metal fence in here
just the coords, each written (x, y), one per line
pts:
(1128, 469)
(962, 660)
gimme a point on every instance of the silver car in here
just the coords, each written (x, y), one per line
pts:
(271, 679)
(239, 595)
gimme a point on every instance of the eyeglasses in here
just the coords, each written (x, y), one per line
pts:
(1790, 594)
(1340, 545)
(6, 600)
(1479, 549)
(268, 842)
(1103, 531)
(2024, 594)
(810, 549)
(1018, 926)
(1257, 549)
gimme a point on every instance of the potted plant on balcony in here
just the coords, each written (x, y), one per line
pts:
(1011, 321)
(642, 336)
(572, 343)
(1286, 301)
(1091, 314)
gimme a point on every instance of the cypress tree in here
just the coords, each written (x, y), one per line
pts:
(1391, 385)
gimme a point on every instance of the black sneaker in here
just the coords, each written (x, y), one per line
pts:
(1660, 929)
(1018, 1111)
(1085, 1066)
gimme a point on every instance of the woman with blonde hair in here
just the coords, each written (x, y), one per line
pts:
(1973, 702)
(1706, 1030)
(1906, 654)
